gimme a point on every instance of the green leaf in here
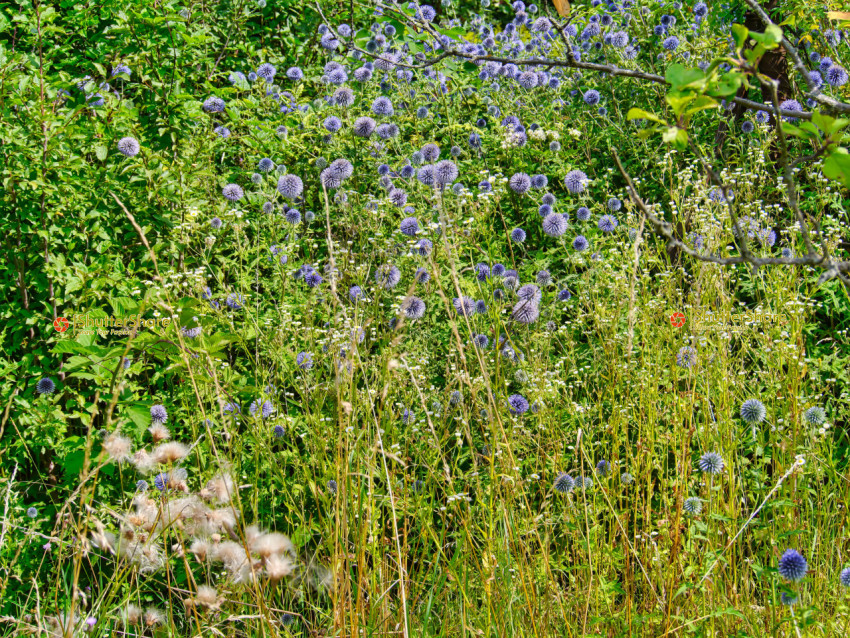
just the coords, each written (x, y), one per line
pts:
(740, 33)
(100, 151)
(837, 166)
(681, 77)
(640, 114)
(140, 415)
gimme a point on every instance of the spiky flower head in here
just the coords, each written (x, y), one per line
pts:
(711, 463)
(387, 276)
(518, 235)
(233, 192)
(128, 146)
(687, 357)
(692, 506)
(815, 416)
(413, 308)
(753, 411)
(554, 225)
(290, 186)
(45, 386)
(525, 311)
(844, 577)
(603, 468)
(520, 183)
(158, 414)
(792, 566)
(564, 483)
(517, 404)
(304, 360)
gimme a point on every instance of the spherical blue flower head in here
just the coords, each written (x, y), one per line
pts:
(481, 341)
(409, 226)
(753, 411)
(424, 248)
(329, 42)
(128, 146)
(343, 97)
(525, 311)
(591, 97)
(576, 181)
(686, 357)
(278, 431)
(407, 416)
(791, 105)
(584, 482)
(313, 279)
(256, 178)
(671, 43)
(564, 295)
(281, 131)
(583, 214)
(382, 106)
(464, 306)
(792, 566)
(539, 181)
(332, 124)
(126, 363)
(480, 307)
(844, 577)
(45, 386)
(485, 186)
(607, 223)
(32, 512)
(293, 216)
(234, 301)
(383, 169)
(825, 63)
(158, 414)
(422, 275)
(364, 126)
(543, 210)
(413, 308)
(142, 485)
(603, 468)
(836, 76)
(290, 186)
(518, 235)
(214, 105)
(700, 9)
(554, 225)
(614, 204)
(747, 127)
(564, 483)
(527, 80)
(233, 192)
(711, 463)
(580, 243)
(304, 360)
(387, 276)
(266, 165)
(517, 404)
(445, 172)
(430, 152)
(692, 506)
(482, 272)
(160, 481)
(815, 416)
(267, 72)
(788, 599)
(520, 183)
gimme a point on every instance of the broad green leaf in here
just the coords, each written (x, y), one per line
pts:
(640, 114)
(681, 77)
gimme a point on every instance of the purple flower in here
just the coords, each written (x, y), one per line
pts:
(233, 192)
(214, 105)
(290, 186)
(576, 181)
(517, 404)
(128, 146)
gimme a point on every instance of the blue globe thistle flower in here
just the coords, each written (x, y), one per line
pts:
(791, 105)
(607, 223)
(584, 482)
(753, 411)
(518, 235)
(525, 311)
(554, 225)
(543, 278)
(480, 307)
(265, 165)
(498, 270)
(576, 181)
(256, 178)
(445, 172)
(711, 463)
(603, 468)
(407, 416)
(45, 386)
(465, 306)
(517, 404)
(382, 106)
(614, 204)
(160, 481)
(555, 146)
(293, 216)
(482, 272)
(788, 599)
(430, 152)
(214, 105)
(686, 357)
(32, 512)
(815, 416)
(264, 408)
(231, 407)
(520, 183)
(142, 485)
(455, 151)
(583, 214)
(530, 292)
(671, 43)
(481, 341)
(422, 276)
(747, 127)
(267, 72)
(313, 279)
(836, 76)
(355, 293)
(407, 171)
(700, 9)
(692, 506)
(290, 186)
(474, 141)
(825, 64)
(564, 295)
(304, 360)
(485, 186)
(364, 126)
(278, 431)
(281, 131)
(580, 243)
(591, 97)
(413, 308)
(126, 362)
(387, 276)
(159, 414)
(844, 577)
(222, 131)
(792, 566)
(233, 192)
(121, 68)
(424, 247)
(128, 146)
(191, 333)
(234, 301)
(626, 478)
(564, 483)
(409, 226)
